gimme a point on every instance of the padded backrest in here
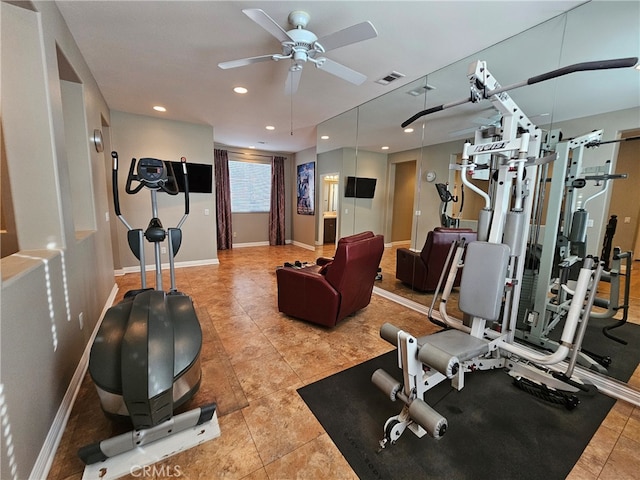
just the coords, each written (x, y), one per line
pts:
(356, 237)
(483, 279)
(354, 268)
(439, 242)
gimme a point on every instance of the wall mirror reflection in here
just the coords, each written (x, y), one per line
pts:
(416, 168)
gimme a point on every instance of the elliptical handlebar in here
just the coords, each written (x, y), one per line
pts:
(114, 183)
(153, 174)
(114, 187)
(183, 161)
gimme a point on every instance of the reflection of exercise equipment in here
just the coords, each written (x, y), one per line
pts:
(446, 197)
(545, 298)
(491, 284)
(145, 360)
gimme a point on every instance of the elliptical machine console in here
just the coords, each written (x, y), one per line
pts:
(145, 360)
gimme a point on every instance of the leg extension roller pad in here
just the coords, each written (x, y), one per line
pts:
(385, 382)
(425, 416)
(389, 333)
(442, 361)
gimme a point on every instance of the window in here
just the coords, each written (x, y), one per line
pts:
(250, 184)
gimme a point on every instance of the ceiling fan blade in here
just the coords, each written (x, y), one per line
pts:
(355, 33)
(339, 70)
(293, 80)
(269, 24)
(244, 61)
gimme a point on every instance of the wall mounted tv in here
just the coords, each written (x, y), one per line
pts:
(200, 177)
(360, 187)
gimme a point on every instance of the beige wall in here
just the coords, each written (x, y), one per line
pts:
(304, 226)
(55, 287)
(136, 136)
(625, 195)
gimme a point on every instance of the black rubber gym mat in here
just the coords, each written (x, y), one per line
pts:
(495, 430)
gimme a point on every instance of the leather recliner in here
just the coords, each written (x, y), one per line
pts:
(333, 288)
(422, 270)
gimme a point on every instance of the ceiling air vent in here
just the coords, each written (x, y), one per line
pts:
(416, 92)
(387, 79)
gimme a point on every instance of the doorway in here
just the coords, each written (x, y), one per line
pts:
(403, 197)
(625, 200)
(330, 197)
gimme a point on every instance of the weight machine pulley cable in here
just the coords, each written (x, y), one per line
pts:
(577, 67)
(597, 143)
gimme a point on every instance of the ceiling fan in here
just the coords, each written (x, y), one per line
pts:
(302, 46)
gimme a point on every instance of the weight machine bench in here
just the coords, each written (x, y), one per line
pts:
(449, 354)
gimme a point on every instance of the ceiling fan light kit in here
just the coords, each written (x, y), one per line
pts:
(302, 46)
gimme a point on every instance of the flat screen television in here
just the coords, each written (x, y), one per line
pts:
(200, 177)
(360, 187)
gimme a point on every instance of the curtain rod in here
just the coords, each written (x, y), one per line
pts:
(247, 153)
(278, 154)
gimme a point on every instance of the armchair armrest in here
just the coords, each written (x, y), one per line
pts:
(410, 268)
(323, 260)
(306, 294)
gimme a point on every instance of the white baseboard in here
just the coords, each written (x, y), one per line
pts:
(304, 245)
(165, 266)
(52, 441)
(251, 244)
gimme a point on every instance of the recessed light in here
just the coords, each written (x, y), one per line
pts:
(159, 108)
(385, 148)
(324, 137)
(270, 127)
(240, 90)
(408, 130)
(252, 146)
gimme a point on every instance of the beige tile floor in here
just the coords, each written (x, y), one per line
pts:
(254, 359)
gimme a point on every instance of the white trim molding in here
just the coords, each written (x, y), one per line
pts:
(152, 268)
(52, 441)
(304, 245)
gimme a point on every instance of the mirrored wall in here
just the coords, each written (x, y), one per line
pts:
(411, 167)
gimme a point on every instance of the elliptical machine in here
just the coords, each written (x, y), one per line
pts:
(446, 197)
(145, 359)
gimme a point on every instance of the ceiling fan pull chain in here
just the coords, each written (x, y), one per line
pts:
(291, 98)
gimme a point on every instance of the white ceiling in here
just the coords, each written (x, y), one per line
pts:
(145, 53)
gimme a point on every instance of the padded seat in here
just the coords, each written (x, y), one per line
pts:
(422, 270)
(342, 286)
(456, 343)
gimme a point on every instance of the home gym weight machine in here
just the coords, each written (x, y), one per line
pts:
(491, 281)
(545, 305)
(145, 359)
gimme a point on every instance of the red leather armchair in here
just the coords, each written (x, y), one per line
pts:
(328, 293)
(421, 270)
